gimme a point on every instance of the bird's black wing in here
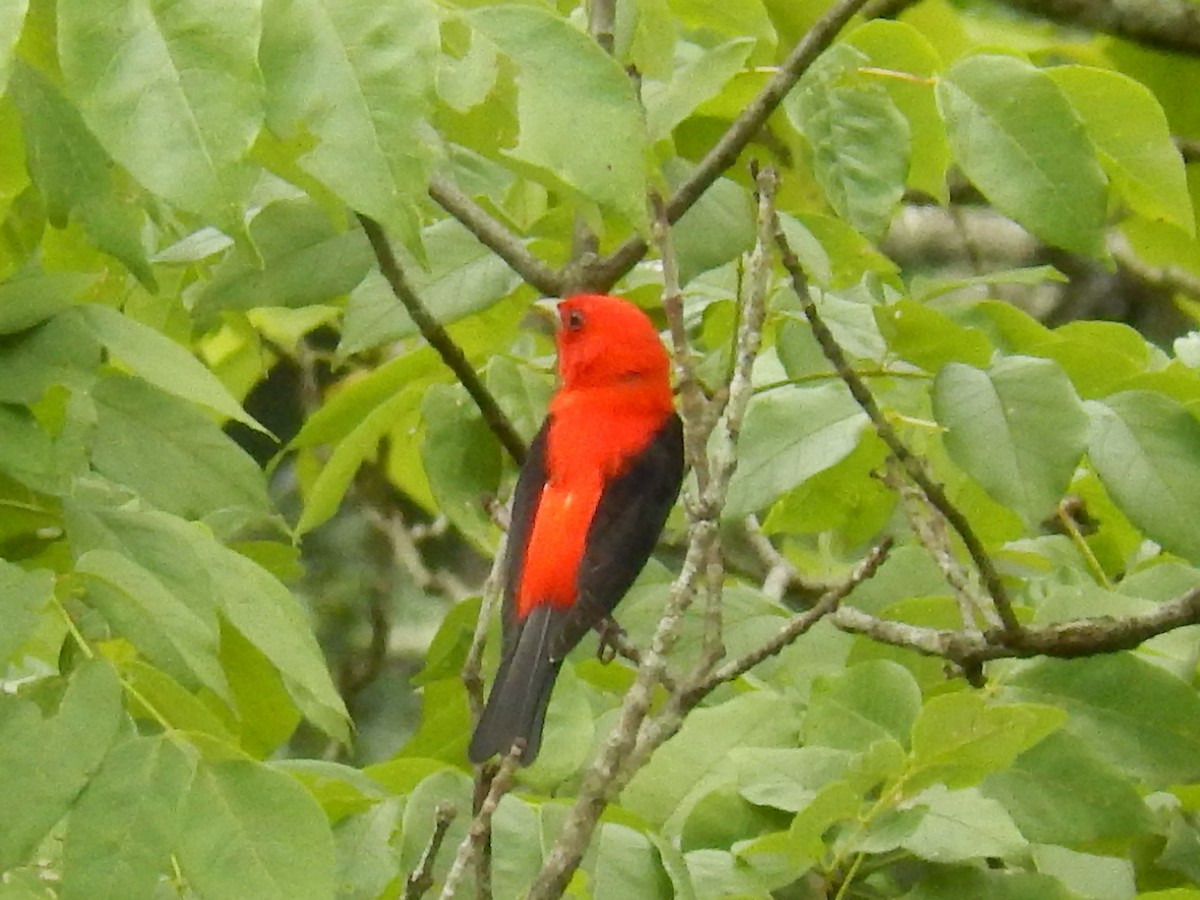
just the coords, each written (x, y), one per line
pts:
(530, 482)
(627, 523)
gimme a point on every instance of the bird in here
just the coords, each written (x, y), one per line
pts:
(590, 503)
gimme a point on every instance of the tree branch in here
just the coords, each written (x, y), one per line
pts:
(914, 468)
(724, 153)
(436, 335)
(493, 234)
(1172, 25)
(1063, 640)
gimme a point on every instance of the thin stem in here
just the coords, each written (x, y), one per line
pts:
(490, 232)
(436, 335)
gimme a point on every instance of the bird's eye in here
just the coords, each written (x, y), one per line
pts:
(574, 320)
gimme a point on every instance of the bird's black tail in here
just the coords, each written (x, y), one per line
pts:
(516, 707)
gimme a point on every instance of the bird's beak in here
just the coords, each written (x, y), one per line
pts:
(546, 310)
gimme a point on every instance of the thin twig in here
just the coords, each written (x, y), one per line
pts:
(420, 879)
(929, 526)
(472, 666)
(691, 397)
(490, 232)
(914, 468)
(479, 834)
(736, 668)
(781, 573)
(436, 335)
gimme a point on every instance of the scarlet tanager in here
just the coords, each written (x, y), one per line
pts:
(590, 503)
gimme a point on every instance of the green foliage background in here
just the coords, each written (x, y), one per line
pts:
(178, 245)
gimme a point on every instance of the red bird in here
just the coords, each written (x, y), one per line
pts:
(590, 502)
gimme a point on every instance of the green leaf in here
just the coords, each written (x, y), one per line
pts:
(1020, 142)
(962, 825)
(960, 738)
(162, 362)
(521, 391)
(988, 884)
(1017, 428)
(46, 761)
(299, 259)
(330, 486)
(268, 615)
(717, 228)
(73, 172)
(60, 351)
(27, 453)
(1087, 874)
(171, 453)
(249, 831)
(1133, 714)
(860, 139)
(1133, 140)
(1146, 449)
(789, 435)
(33, 297)
(11, 18)
(268, 715)
(176, 637)
(123, 829)
(445, 723)
(462, 461)
(159, 697)
(699, 754)
(359, 78)
(788, 778)
(901, 49)
(366, 859)
(868, 702)
(669, 104)
(23, 596)
(581, 123)
(626, 865)
(928, 338)
(173, 93)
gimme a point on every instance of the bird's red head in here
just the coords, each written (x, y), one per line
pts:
(605, 342)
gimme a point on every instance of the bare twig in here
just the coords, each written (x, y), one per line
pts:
(479, 834)
(914, 468)
(436, 335)
(929, 526)
(493, 234)
(420, 879)
(735, 139)
(1063, 640)
(735, 668)
(472, 665)
(602, 21)
(781, 574)
(691, 397)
